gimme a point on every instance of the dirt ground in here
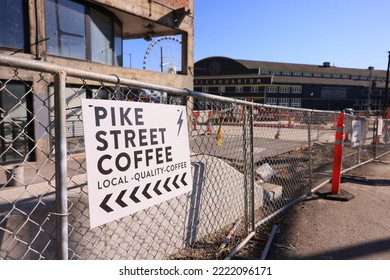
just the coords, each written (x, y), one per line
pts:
(323, 229)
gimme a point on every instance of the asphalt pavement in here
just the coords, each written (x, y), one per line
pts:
(319, 228)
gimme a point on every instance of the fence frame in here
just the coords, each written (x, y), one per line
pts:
(61, 165)
(61, 73)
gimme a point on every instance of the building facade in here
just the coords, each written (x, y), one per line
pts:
(87, 35)
(322, 87)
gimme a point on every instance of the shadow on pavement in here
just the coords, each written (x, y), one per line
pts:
(365, 181)
(359, 251)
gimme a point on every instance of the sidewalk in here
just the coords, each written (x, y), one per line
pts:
(320, 229)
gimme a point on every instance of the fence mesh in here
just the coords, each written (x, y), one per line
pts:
(247, 162)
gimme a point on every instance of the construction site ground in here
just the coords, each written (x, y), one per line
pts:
(318, 228)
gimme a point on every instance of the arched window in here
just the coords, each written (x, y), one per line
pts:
(76, 30)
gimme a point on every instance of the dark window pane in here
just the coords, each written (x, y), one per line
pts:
(118, 45)
(13, 122)
(101, 37)
(65, 28)
(12, 22)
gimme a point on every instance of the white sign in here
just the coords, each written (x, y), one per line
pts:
(137, 156)
(356, 133)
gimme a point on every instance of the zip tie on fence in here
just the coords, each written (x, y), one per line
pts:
(58, 214)
(118, 79)
(188, 91)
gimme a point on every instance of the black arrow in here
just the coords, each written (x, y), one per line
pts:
(174, 182)
(132, 195)
(182, 179)
(166, 184)
(104, 205)
(145, 191)
(155, 189)
(119, 199)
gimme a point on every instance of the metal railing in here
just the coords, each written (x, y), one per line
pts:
(249, 162)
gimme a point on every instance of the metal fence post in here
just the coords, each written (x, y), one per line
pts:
(252, 172)
(309, 114)
(375, 138)
(61, 165)
(359, 151)
(245, 166)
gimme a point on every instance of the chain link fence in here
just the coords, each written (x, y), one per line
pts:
(249, 161)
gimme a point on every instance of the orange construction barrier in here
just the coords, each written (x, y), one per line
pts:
(195, 120)
(338, 155)
(195, 124)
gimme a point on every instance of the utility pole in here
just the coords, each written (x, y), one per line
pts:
(162, 60)
(369, 92)
(387, 84)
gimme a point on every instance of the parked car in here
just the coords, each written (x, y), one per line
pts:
(348, 111)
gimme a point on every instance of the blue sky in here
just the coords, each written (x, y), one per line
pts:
(347, 33)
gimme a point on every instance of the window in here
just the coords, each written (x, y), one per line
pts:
(283, 102)
(296, 90)
(101, 35)
(13, 22)
(221, 89)
(317, 75)
(205, 89)
(307, 74)
(272, 89)
(297, 74)
(364, 104)
(379, 79)
(65, 26)
(118, 44)
(239, 89)
(296, 102)
(376, 104)
(265, 72)
(284, 90)
(271, 101)
(16, 129)
(254, 89)
(82, 32)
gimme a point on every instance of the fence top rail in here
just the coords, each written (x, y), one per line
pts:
(41, 66)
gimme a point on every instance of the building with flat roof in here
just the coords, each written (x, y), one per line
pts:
(324, 86)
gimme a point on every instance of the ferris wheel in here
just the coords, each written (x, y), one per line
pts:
(163, 55)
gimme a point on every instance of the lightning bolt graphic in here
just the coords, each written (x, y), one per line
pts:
(180, 122)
